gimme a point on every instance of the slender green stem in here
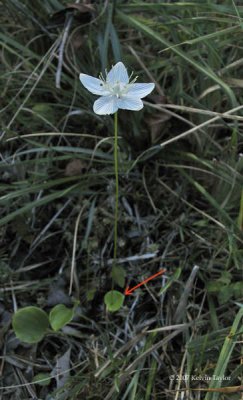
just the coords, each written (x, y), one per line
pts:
(117, 184)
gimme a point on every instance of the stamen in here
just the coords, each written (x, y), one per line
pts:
(131, 75)
(101, 77)
(134, 80)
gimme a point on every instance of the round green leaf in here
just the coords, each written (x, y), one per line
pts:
(60, 316)
(30, 324)
(42, 379)
(114, 300)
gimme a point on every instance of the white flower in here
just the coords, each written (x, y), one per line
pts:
(116, 91)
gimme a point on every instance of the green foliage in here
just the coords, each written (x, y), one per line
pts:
(118, 274)
(44, 112)
(114, 300)
(42, 379)
(224, 289)
(90, 294)
(60, 316)
(171, 280)
(225, 353)
(30, 324)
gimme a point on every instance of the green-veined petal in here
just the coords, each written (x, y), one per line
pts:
(94, 85)
(106, 105)
(118, 73)
(130, 103)
(140, 90)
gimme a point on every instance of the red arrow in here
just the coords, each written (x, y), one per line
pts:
(129, 291)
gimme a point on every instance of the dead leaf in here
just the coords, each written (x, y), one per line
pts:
(75, 167)
(82, 8)
(77, 40)
(61, 371)
(157, 124)
(83, 12)
(158, 99)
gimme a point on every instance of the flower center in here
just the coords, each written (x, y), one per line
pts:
(118, 88)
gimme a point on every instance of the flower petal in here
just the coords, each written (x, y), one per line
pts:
(105, 105)
(94, 85)
(130, 103)
(117, 73)
(140, 90)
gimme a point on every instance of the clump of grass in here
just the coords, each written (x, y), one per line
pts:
(181, 197)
